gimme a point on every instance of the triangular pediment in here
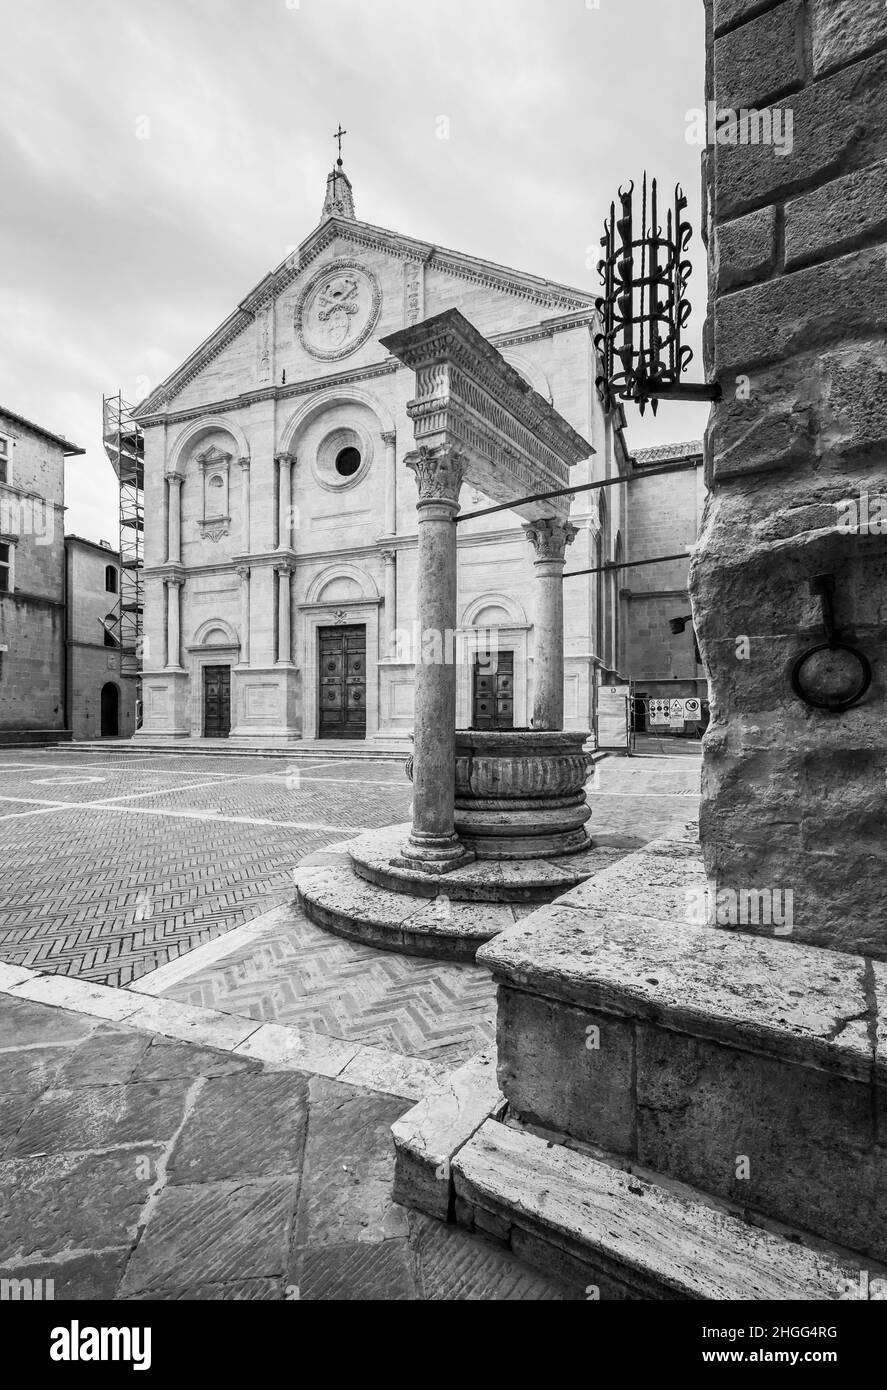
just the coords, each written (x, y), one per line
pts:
(241, 352)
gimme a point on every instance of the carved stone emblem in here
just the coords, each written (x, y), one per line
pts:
(338, 309)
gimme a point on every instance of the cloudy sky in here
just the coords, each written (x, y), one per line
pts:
(120, 253)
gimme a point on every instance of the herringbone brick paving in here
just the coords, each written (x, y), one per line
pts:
(295, 973)
(108, 880)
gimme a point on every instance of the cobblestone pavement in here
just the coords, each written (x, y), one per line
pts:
(134, 1167)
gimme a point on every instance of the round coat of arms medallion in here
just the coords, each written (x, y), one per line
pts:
(338, 309)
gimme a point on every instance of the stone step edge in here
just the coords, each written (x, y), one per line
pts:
(290, 751)
(445, 942)
(571, 1214)
(274, 1044)
(675, 989)
(428, 1137)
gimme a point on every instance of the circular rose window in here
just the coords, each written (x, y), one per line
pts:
(343, 457)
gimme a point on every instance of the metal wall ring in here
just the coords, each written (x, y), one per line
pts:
(835, 704)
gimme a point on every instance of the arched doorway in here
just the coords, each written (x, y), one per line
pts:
(110, 710)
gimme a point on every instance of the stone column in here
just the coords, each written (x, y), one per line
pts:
(549, 538)
(433, 845)
(389, 559)
(174, 521)
(284, 626)
(284, 501)
(173, 625)
(389, 439)
(243, 572)
(244, 506)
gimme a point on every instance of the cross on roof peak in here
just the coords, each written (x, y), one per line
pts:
(338, 136)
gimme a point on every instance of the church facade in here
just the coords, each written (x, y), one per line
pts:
(280, 541)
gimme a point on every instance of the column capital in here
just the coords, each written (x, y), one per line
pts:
(244, 571)
(389, 437)
(284, 569)
(388, 556)
(550, 537)
(284, 458)
(438, 471)
(174, 581)
(244, 462)
(172, 476)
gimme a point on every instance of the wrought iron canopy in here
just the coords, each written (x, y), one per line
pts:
(644, 306)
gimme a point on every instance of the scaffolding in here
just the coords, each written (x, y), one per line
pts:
(125, 447)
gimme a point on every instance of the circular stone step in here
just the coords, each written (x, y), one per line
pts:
(484, 881)
(335, 898)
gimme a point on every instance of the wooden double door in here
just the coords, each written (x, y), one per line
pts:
(493, 692)
(216, 701)
(342, 677)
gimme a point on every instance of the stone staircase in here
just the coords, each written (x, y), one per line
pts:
(685, 1111)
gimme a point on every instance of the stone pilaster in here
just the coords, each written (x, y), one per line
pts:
(433, 844)
(389, 560)
(284, 614)
(549, 539)
(243, 572)
(173, 624)
(389, 439)
(174, 483)
(245, 506)
(284, 501)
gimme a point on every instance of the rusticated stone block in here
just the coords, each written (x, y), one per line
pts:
(807, 309)
(745, 249)
(556, 1070)
(834, 217)
(729, 12)
(789, 1141)
(820, 410)
(759, 61)
(837, 124)
(844, 28)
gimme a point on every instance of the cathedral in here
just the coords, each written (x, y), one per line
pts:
(280, 539)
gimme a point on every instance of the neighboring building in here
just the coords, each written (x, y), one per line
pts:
(32, 581)
(280, 545)
(665, 518)
(101, 698)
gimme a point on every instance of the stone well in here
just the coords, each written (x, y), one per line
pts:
(520, 794)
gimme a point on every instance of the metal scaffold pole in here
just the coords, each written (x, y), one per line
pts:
(125, 447)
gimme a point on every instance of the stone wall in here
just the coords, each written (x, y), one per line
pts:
(32, 625)
(795, 797)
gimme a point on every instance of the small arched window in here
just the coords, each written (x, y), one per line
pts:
(110, 579)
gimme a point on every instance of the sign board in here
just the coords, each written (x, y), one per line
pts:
(613, 716)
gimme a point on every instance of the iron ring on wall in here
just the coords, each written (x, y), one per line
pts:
(834, 704)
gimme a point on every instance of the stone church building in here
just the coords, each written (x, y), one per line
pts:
(280, 545)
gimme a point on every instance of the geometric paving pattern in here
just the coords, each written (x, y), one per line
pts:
(297, 974)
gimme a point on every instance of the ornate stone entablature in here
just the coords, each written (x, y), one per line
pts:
(468, 397)
(338, 309)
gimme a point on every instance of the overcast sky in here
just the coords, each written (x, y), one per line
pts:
(119, 254)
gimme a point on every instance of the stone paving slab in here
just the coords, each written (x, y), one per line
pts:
(244, 1181)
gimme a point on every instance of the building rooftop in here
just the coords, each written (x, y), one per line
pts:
(60, 439)
(104, 546)
(666, 453)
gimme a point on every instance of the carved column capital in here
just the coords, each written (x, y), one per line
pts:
(244, 462)
(174, 581)
(284, 458)
(284, 569)
(172, 477)
(550, 538)
(389, 437)
(244, 572)
(388, 556)
(439, 473)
